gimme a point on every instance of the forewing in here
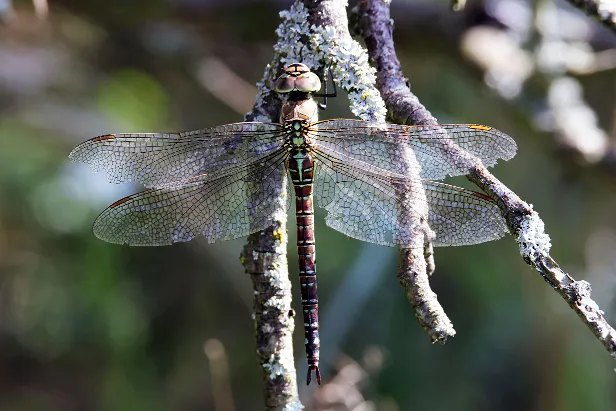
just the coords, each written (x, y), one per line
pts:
(232, 204)
(376, 207)
(157, 159)
(435, 147)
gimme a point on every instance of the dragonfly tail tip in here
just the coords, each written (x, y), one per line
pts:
(314, 368)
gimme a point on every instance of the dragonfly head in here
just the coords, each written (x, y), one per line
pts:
(298, 77)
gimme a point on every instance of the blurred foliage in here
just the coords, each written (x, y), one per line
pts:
(92, 326)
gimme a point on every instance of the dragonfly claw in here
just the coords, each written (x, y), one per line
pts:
(309, 375)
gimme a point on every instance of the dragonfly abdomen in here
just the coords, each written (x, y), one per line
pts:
(301, 171)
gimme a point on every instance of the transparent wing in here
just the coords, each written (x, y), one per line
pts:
(434, 146)
(368, 206)
(231, 204)
(157, 159)
(363, 203)
(462, 217)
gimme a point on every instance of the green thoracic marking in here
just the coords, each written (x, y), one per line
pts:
(300, 156)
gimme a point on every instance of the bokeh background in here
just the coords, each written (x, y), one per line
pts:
(85, 325)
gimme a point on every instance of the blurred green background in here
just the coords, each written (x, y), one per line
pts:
(86, 325)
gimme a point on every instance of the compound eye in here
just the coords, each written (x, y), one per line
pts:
(308, 83)
(285, 84)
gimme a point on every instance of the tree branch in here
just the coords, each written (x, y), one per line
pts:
(523, 222)
(265, 259)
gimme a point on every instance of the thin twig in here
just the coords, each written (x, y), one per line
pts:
(523, 222)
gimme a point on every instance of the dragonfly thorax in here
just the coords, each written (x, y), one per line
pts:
(297, 132)
(305, 110)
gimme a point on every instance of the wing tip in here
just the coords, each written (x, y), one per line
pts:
(111, 227)
(73, 155)
(81, 145)
(512, 148)
(508, 147)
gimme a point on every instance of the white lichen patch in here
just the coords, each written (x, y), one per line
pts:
(292, 33)
(279, 304)
(583, 291)
(274, 367)
(348, 62)
(282, 364)
(325, 48)
(278, 276)
(591, 310)
(582, 288)
(532, 239)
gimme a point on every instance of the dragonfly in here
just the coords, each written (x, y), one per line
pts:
(225, 182)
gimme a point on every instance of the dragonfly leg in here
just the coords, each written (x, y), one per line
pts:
(323, 105)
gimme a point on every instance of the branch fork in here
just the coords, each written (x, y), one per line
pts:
(316, 33)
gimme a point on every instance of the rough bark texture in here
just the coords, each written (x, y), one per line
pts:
(265, 259)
